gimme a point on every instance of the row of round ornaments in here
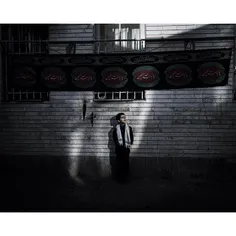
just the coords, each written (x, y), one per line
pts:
(116, 77)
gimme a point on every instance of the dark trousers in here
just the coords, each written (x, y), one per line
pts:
(122, 160)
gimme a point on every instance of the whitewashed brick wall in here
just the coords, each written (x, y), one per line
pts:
(188, 31)
(70, 33)
(184, 123)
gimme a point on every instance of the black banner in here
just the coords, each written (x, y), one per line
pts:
(112, 72)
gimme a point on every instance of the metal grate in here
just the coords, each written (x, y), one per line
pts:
(23, 39)
(120, 38)
(120, 46)
(118, 96)
(20, 95)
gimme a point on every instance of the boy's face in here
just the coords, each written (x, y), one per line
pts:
(122, 119)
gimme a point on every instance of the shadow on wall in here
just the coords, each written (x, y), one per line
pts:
(191, 149)
(111, 147)
(83, 166)
(90, 167)
(188, 137)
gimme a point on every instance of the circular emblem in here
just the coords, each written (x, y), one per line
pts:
(178, 75)
(211, 73)
(81, 60)
(113, 60)
(210, 55)
(146, 76)
(83, 77)
(144, 59)
(114, 77)
(24, 77)
(177, 57)
(53, 77)
(23, 60)
(50, 60)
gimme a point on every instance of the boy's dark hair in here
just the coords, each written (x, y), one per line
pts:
(119, 115)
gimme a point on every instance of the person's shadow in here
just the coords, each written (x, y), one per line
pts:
(111, 147)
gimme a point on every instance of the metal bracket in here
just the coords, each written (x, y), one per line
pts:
(189, 45)
(234, 95)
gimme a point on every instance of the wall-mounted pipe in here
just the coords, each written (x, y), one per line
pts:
(92, 117)
(84, 109)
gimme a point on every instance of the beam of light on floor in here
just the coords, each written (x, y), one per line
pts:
(74, 153)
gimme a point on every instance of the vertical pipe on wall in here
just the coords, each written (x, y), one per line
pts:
(95, 38)
(84, 108)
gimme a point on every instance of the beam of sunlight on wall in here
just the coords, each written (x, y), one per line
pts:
(102, 126)
(74, 153)
(221, 97)
(75, 147)
(144, 111)
(222, 93)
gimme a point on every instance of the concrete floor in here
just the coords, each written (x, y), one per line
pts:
(19, 194)
(40, 190)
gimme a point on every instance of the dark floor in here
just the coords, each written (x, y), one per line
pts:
(37, 190)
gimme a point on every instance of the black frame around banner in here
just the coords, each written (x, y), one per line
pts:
(152, 65)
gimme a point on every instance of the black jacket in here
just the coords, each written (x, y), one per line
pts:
(122, 128)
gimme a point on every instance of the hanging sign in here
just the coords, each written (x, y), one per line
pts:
(130, 71)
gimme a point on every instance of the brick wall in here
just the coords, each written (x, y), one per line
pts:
(188, 31)
(70, 33)
(182, 125)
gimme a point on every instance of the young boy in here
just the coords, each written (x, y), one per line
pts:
(123, 138)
